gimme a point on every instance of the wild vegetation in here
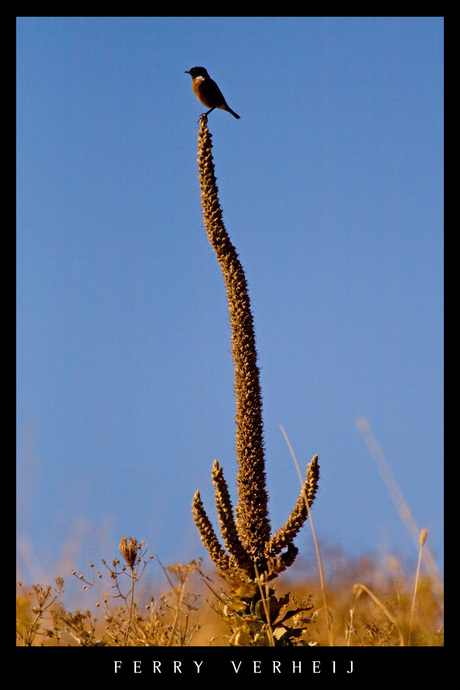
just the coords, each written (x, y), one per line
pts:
(367, 606)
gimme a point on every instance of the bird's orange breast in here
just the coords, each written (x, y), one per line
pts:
(207, 92)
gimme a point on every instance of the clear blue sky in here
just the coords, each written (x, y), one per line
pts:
(332, 189)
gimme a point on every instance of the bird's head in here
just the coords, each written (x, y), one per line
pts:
(197, 72)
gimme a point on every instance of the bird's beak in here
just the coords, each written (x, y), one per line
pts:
(187, 71)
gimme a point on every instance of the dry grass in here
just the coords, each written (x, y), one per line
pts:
(365, 607)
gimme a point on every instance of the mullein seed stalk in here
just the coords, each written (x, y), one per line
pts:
(250, 552)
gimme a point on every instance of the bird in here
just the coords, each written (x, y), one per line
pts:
(207, 91)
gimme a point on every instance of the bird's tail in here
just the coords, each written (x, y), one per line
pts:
(232, 112)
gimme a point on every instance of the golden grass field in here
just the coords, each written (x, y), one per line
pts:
(366, 606)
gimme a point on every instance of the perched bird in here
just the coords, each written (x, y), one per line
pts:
(207, 91)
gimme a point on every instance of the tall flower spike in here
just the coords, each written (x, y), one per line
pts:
(252, 510)
(208, 536)
(299, 514)
(228, 529)
(251, 550)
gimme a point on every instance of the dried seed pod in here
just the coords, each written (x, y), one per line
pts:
(129, 550)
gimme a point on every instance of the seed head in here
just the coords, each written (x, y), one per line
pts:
(129, 550)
